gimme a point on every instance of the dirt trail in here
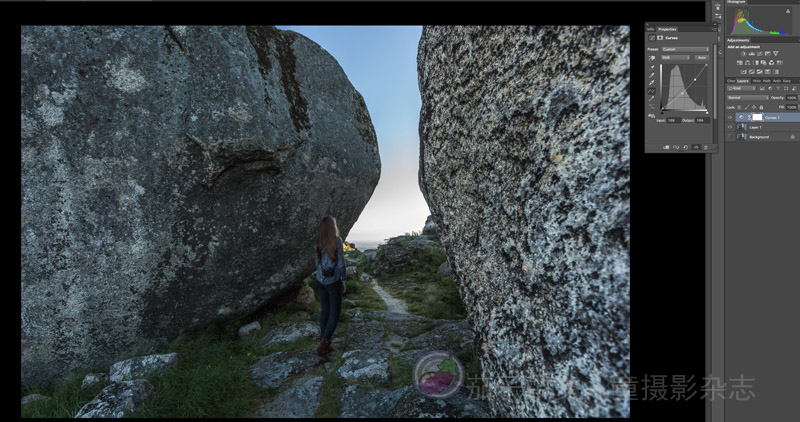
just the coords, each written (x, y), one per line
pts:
(395, 305)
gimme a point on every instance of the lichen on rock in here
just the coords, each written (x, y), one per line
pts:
(525, 166)
(163, 170)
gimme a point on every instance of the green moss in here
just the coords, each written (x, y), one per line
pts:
(400, 372)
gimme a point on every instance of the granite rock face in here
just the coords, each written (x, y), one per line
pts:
(169, 178)
(525, 166)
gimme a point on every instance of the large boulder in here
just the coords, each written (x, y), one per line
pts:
(173, 176)
(525, 166)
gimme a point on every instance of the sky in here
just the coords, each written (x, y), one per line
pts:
(381, 63)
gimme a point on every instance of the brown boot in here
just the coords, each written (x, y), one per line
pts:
(322, 349)
(331, 349)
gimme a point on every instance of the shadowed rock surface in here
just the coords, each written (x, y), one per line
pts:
(169, 176)
(525, 166)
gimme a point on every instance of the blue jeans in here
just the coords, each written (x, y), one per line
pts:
(330, 295)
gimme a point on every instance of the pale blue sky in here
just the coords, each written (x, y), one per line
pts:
(381, 63)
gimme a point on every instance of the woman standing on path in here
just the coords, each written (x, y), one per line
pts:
(331, 281)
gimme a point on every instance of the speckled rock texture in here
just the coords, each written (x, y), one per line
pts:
(272, 370)
(525, 165)
(288, 332)
(141, 366)
(360, 402)
(118, 399)
(368, 364)
(174, 176)
(299, 401)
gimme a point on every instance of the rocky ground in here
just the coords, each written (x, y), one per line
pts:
(378, 342)
(370, 374)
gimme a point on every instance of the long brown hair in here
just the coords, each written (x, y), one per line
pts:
(327, 233)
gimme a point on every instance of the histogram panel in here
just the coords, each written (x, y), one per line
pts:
(759, 20)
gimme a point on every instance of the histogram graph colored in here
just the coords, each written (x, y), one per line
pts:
(686, 88)
(760, 21)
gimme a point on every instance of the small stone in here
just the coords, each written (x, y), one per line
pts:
(93, 379)
(305, 295)
(249, 329)
(32, 398)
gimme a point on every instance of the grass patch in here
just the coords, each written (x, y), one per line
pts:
(400, 372)
(210, 380)
(426, 294)
(364, 296)
(430, 260)
(65, 398)
(332, 389)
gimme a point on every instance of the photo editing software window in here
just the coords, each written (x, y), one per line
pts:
(735, 78)
(726, 91)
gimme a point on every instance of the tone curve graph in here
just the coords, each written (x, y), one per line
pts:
(685, 89)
